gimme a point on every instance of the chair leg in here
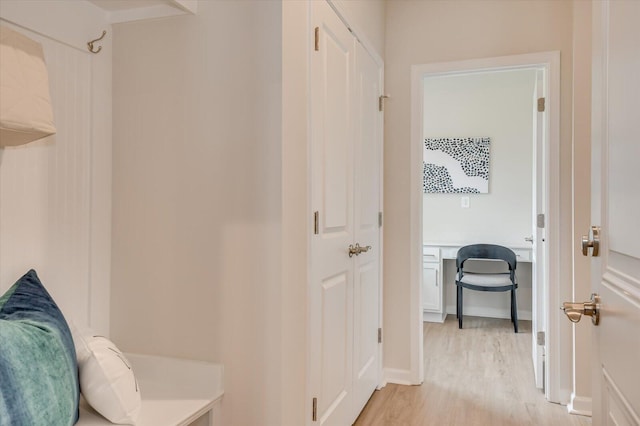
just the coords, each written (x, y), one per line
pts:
(460, 305)
(514, 308)
(511, 305)
(457, 301)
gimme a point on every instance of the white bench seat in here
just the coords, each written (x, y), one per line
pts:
(175, 392)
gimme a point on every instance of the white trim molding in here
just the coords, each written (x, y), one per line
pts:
(579, 405)
(397, 376)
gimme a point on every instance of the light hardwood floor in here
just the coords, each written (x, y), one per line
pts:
(481, 375)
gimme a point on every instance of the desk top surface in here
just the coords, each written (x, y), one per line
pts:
(461, 244)
(450, 250)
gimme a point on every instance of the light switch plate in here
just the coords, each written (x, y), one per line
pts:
(464, 202)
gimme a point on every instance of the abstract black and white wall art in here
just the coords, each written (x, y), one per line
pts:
(456, 165)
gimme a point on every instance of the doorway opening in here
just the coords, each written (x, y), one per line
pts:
(538, 183)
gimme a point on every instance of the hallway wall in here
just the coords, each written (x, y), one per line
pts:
(440, 31)
(197, 196)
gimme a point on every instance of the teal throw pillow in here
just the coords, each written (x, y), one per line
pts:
(38, 368)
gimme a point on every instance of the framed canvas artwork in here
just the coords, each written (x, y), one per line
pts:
(456, 165)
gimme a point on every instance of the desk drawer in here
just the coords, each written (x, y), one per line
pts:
(430, 254)
(522, 255)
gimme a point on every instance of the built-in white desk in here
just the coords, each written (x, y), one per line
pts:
(433, 294)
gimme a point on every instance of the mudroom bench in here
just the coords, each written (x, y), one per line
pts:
(175, 392)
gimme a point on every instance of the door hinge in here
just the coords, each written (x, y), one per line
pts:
(379, 335)
(314, 410)
(317, 39)
(540, 338)
(540, 220)
(381, 99)
(316, 223)
(379, 219)
(541, 104)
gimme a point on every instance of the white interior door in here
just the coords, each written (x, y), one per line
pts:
(616, 209)
(367, 230)
(332, 272)
(346, 149)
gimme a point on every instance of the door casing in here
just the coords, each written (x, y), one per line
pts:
(558, 339)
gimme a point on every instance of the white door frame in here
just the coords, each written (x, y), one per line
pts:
(558, 345)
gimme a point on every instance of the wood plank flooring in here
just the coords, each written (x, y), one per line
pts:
(481, 375)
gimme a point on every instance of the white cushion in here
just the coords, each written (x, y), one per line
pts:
(107, 381)
(485, 280)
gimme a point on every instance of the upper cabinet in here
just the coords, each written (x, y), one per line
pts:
(136, 10)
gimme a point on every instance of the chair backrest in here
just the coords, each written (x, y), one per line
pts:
(486, 251)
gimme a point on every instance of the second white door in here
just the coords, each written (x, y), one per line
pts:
(344, 293)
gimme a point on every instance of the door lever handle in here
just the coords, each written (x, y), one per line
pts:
(357, 249)
(575, 310)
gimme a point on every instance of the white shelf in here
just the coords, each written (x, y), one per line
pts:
(175, 392)
(136, 10)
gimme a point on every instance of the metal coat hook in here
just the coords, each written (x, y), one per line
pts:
(90, 44)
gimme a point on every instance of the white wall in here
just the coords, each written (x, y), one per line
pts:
(499, 106)
(210, 196)
(55, 193)
(295, 219)
(440, 31)
(197, 196)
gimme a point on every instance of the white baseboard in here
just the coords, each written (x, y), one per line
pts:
(398, 377)
(580, 405)
(433, 316)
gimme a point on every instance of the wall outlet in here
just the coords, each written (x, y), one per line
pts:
(464, 202)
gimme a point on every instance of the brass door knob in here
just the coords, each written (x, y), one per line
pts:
(575, 310)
